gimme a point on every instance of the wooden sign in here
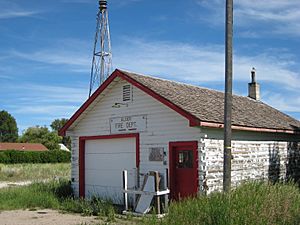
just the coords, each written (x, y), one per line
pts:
(127, 124)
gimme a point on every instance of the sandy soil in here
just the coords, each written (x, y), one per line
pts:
(44, 217)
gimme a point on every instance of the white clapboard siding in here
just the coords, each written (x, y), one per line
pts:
(163, 126)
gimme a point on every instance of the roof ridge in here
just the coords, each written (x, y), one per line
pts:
(253, 106)
(199, 104)
(187, 84)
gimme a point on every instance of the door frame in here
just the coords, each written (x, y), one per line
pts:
(172, 175)
(82, 141)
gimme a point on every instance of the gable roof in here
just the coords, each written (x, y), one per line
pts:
(202, 106)
(22, 146)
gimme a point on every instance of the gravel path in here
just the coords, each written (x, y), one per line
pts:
(44, 217)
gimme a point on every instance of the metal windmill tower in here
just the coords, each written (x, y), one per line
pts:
(102, 57)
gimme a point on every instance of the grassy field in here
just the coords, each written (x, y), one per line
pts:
(257, 203)
(28, 171)
(57, 195)
(250, 204)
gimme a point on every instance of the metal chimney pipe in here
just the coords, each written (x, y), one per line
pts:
(253, 75)
(254, 87)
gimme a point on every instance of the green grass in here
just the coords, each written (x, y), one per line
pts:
(36, 195)
(252, 203)
(27, 171)
(53, 195)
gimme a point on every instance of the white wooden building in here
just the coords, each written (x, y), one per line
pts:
(141, 123)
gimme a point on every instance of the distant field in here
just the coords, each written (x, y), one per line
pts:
(32, 172)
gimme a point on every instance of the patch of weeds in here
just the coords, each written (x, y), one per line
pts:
(55, 195)
(254, 203)
(110, 214)
(10, 172)
(36, 195)
(94, 206)
(32, 209)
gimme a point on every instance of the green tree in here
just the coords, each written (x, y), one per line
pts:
(8, 127)
(56, 125)
(41, 135)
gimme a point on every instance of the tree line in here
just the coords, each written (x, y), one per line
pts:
(36, 134)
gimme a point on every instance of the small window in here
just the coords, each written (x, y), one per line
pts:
(127, 93)
(185, 159)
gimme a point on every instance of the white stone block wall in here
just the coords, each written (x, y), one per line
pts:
(252, 160)
(202, 166)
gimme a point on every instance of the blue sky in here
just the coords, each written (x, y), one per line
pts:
(46, 50)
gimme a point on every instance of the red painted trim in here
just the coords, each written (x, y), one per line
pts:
(172, 177)
(82, 154)
(245, 128)
(194, 121)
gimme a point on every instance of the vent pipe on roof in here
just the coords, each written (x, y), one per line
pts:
(253, 87)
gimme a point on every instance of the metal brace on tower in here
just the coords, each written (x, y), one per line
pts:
(102, 56)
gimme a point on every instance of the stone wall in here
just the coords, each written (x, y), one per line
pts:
(252, 160)
(293, 164)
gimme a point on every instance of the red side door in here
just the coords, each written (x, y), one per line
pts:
(183, 169)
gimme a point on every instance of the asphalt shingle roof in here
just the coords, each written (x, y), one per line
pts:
(22, 146)
(208, 105)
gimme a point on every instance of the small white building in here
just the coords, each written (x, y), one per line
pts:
(141, 123)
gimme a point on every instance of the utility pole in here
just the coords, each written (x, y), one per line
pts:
(228, 97)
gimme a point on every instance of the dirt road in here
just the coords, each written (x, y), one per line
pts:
(44, 217)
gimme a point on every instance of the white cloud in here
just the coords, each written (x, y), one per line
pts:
(55, 93)
(285, 102)
(7, 14)
(49, 56)
(73, 53)
(186, 62)
(46, 100)
(5, 76)
(281, 16)
(35, 104)
(45, 110)
(9, 9)
(204, 65)
(201, 65)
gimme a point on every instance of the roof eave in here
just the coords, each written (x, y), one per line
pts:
(193, 120)
(245, 128)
